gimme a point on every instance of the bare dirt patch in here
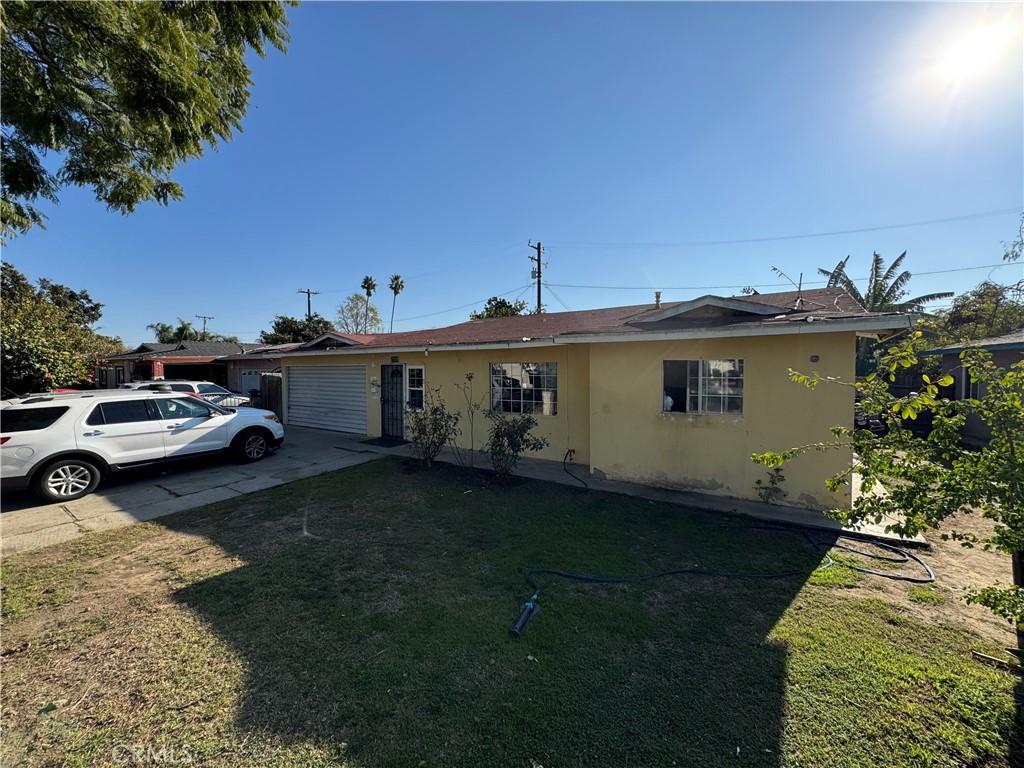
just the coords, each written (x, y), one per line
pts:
(958, 571)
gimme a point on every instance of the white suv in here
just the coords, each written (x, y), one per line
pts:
(62, 445)
(207, 390)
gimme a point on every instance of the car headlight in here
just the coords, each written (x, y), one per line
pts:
(271, 417)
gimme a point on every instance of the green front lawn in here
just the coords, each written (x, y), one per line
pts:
(379, 637)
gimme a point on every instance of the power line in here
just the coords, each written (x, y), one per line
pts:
(557, 297)
(464, 306)
(759, 285)
(777, 238)
(204, 318)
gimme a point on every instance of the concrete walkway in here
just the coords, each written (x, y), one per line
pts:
(150, 494)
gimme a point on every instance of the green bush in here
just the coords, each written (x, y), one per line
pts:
(509, 438)
(432, 427)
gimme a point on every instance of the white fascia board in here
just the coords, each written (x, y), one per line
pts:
(548, 341)
(891, 323)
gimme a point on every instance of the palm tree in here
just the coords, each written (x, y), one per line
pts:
(886, 291)
(369, 285)
(397, 285)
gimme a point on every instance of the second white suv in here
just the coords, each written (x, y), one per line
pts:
(62, 445)
(207, 390)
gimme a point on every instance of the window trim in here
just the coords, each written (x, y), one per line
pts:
(422, 388)
(701, 378)
(538, 412)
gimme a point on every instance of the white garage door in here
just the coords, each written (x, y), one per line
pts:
(327, 397)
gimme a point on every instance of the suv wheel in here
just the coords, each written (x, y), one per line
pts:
(252, 445)
(67, 479)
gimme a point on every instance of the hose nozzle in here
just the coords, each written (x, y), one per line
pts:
(530, 607)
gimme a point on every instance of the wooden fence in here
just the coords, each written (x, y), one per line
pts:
(270, 396)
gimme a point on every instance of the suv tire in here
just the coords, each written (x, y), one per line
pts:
(251, 444)
(67, 480)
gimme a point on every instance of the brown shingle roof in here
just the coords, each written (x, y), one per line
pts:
(818, 303)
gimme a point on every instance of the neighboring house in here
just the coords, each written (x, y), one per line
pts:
(196, 360)
(676, 395)
(245, 369)
(1006, 350)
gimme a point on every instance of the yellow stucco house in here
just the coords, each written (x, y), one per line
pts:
(676, 395)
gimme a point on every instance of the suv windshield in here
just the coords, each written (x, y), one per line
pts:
(28, 419)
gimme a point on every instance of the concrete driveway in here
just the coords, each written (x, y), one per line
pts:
(149, 494)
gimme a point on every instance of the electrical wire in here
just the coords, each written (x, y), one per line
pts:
(777, 238)
(462, 306)
(762, 285)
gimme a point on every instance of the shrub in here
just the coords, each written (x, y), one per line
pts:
(509, 438)
(431, 427)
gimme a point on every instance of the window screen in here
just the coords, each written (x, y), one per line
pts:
(525, 388)
(29, 419)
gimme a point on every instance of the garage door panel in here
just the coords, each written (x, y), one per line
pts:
(327, 397)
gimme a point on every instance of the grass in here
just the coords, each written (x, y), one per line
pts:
(380, 639)
(925, 594)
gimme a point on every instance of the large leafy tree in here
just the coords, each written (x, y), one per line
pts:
(887, 286)
(886, 291)
(122, 93)
(45, 338)
(928, 480)
(499, 307)
(357, 315)
(288, 330)
(988, 310)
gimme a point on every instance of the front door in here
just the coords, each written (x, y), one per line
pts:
(392, 401)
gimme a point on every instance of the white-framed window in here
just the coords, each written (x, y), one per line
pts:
(524, 388)
(702, 386)
(415, 381)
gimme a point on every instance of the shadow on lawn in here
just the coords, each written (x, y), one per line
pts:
(385, 640)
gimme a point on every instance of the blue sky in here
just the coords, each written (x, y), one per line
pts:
(435, 140)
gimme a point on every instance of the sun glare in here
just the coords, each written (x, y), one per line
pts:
(971, 55)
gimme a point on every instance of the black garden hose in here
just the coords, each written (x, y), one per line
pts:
(532, 606)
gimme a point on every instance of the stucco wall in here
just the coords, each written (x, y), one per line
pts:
(445, 371)
(631, 439)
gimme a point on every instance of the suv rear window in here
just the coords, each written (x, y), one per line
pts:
(29, 419)
(173, 387)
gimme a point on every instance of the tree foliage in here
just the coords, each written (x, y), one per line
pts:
(166, 333)
(45, 338)
(294, 330)
(357, 315)
(886, 292)
(397, 285)
(499, 307)
(929, 479)
(988, 310)
(122, 92)
(887, 286)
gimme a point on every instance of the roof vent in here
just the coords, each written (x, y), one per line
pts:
(657, 299)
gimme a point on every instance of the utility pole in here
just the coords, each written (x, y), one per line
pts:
(309, 301)
(537, 272)
(204, 318)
